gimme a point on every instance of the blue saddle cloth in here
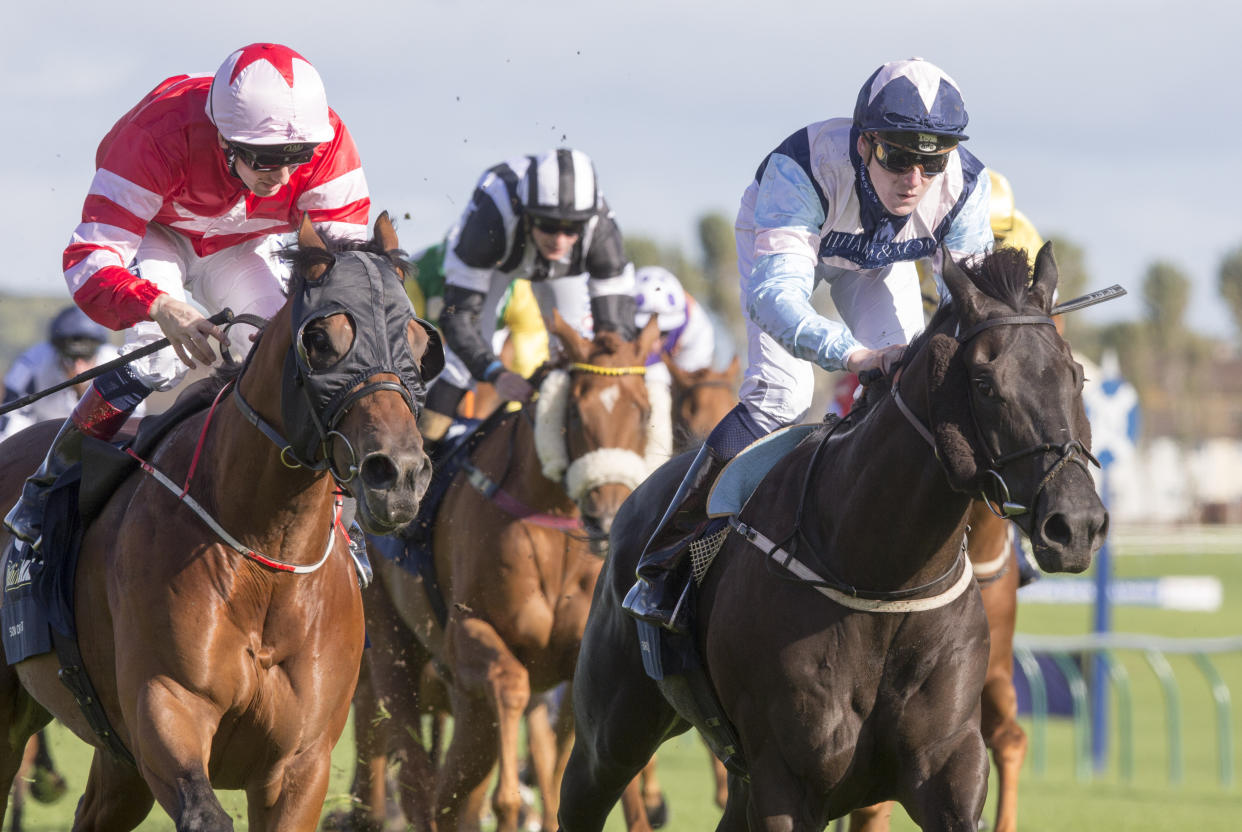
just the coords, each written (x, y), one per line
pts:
(38, 587)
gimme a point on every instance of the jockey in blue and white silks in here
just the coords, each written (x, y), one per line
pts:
(812, 214)
(853, 202)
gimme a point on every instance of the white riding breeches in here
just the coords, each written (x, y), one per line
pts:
(248, 278)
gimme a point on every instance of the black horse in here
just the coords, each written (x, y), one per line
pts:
(840, 627)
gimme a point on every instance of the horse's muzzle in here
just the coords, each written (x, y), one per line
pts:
(1066, 531)
(389, 488)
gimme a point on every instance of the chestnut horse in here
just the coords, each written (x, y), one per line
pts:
(839, 626)
(225, 646)
(991, 548)
(517, 546)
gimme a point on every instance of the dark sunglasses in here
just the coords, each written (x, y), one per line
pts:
(899, 160)
(274, 157)
(566, 227)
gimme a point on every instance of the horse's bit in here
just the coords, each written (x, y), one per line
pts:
(1071, 451)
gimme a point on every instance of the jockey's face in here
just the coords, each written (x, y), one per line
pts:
(555, 241)
(899, 192)
(263, 183)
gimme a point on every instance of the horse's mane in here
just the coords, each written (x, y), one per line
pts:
(301, 260)
(1003, 275)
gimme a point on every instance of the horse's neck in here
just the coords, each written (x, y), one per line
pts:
(281, 511)
(888, 519)
(519, 470)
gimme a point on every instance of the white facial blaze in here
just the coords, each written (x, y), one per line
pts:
(609, 397)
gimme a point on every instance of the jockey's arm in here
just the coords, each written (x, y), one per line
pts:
(788, 219)
(611, 282)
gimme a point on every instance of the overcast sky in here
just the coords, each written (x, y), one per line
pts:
(1118, 124)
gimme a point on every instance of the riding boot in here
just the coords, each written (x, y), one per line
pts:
(358, 551)
(1028, 572)
(93, 416)
(656, 595)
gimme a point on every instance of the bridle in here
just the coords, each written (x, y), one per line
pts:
(1072, 451)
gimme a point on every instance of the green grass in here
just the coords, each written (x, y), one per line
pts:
(1052, 800)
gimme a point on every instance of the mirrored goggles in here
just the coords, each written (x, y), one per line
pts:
(551, 226)
(900, 160)
(273, 157)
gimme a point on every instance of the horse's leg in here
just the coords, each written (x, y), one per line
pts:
(541, 744)
(118, 798)
(47, 786)
(653, 796)
(951, 798)
(369, 786)
(22, 716)
(395, 665)
(737, 801)
(871, 818)
(1001, 731)
(172, 733)
(300, 792)
(491, 689)
(21, 787)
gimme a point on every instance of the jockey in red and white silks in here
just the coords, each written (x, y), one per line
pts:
(192, 187)
(167, 211)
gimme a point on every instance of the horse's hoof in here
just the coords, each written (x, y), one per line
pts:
(349, 820)
(657, 815)
(47, 786)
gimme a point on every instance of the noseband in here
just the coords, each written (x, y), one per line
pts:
(1071, 451)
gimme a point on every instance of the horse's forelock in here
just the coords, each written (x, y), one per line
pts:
(607, 342)
(301, 260)
(1003, 275)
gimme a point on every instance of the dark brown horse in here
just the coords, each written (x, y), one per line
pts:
(517, 553)
(839, 626)
(991, 549)
(231, 664)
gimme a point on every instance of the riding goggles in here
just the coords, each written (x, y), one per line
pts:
(273, 157)
(900, 160)
(551, 226)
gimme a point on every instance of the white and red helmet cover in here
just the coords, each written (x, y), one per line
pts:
(267, 94)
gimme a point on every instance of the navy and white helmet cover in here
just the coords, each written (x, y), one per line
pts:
(911, 95)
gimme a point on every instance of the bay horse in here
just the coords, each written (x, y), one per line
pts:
(225, 646)
(517, 546)
(991, 547)
(701, 398)
(839, 627)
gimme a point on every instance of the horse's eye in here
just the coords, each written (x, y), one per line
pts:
(984, 387)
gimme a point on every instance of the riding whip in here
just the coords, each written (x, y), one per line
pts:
(224, 316)
(1089, 299)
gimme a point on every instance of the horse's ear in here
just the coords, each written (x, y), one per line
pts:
(1044, 286)
(309, 238)
(385, 233)
(573, 342)
(948, 398)
(966, 295)
(681, 378)
(733, 371)
(427, 348)
(649, 337)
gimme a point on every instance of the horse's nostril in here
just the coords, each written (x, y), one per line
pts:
(1057, 530)
(378, 472)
